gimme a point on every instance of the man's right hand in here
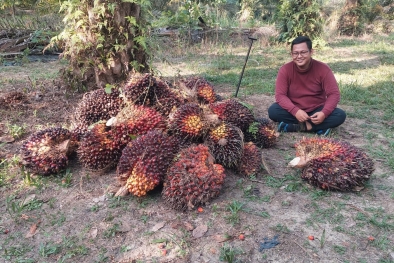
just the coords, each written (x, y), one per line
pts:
(302, 116)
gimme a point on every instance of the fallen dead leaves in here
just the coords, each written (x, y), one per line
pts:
(33, 229)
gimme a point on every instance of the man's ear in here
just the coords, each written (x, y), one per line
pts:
(312, 51)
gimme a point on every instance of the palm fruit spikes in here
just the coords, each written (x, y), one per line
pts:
(97, 105)
(138, 89)
(251, 160)
(133, 121)
(193, 179)
(145, 160)
(165, 98)
(187, 122)
(262, 132)
(46, 152)
(204, 90)
(234, 112)
(98, 150)
(226, 144)
(332, 164)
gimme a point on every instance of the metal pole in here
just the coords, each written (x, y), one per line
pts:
(246, 60)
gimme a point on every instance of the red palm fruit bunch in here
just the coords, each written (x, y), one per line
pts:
(97, 105)
(193, 179)
(165, 98)
(187, 122)
(98, 150)
(226, 144)
(145, 160)
(262, 132)
(251, 160)
(138, 89)
(135, 120)
(234, 112)
(204, 90)
(46, 152)
(332, 164)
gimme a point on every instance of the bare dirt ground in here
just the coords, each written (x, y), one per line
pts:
(72, 218)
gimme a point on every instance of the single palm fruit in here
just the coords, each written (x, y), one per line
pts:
(98, 150)
(226, 143)
(46, 152)
(332, 164)
(138, 89)
(234, 112)
(95, 106)
(187, 122)
(134, 121)
(251, 160)
(204, 90)
(262, 132)
(165, 98)
(193, 179)
(145, 160)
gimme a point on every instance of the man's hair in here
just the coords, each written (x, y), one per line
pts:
(302, 39)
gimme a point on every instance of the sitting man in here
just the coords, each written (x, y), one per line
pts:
(306, 93)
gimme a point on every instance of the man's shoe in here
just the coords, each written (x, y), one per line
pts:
(291, 127)
(325, 132)
(282, 127)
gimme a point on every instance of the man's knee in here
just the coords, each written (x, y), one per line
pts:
(341, 115)
(273, 112)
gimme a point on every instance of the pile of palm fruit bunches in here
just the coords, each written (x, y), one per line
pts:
(181, 135)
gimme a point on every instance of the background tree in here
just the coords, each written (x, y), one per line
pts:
(298, 17)
(103, 41)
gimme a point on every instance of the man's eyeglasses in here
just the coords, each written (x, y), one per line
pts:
(302, 53)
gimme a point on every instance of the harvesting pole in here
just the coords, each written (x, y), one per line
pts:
(246, 60)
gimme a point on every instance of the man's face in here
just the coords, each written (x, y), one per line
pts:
(301, 55)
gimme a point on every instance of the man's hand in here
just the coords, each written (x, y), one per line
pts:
(302, 116)
(318, 117)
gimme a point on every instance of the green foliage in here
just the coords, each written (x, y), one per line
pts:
(228, 253)
(298, 17)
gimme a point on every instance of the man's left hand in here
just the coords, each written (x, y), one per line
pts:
(318, 117)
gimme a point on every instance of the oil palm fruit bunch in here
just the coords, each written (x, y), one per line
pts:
(145, 160)
(226, 144)
(187, 122)
(138, 89)
(262, 132)
(251, 160)
(234, 112)
(134, 120)
(97, 105)
(165, 98)
(204, 90)
(98, 150)
(46, 152)
(193, 179)
(332, 164)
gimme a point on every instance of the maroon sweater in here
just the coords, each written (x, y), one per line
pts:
(306, 90)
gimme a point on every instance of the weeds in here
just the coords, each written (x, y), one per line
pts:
(48, 249)
(16, 131)
(234, 207)
(111, 231)
(228, 253)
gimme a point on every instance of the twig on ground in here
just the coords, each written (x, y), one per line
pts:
(266, 167)
(358, 209)
(256, 181)
(309, 255)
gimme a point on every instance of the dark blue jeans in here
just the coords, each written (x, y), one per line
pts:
(336, 118)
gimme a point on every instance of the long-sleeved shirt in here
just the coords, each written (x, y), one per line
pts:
(307, 90)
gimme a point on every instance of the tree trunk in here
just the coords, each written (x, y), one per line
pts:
(102, 48)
